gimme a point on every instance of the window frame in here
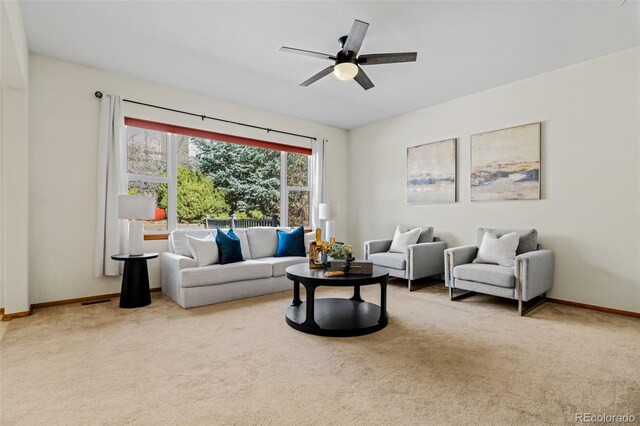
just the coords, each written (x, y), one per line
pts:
(285, 188)
(172, 166)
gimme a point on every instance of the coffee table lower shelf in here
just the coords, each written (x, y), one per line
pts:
(337, 318)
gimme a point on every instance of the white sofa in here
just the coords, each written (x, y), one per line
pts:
(260, 273)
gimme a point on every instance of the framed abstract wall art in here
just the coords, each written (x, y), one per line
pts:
(505, 164)
(431, 172)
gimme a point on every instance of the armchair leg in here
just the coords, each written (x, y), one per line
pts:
(525, 307)
(411, 285)
(424, 282)
(453, 295)
(520, 306)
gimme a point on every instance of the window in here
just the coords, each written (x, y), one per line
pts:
(147, 165)
(296, 195)
(195, 175)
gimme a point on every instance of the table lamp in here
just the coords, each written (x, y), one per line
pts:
(136, 207)
(327, 211)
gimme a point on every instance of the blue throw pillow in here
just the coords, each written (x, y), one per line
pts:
(291, 243)
(229, 247)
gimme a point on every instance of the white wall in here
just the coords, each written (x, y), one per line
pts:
(14, 175)
(589, 214)
(63, 156)
(590, 208)
(15, 52)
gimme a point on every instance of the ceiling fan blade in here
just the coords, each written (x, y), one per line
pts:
(328, 70)
(387, 58)
(355, 37)
(307, 53)
(363, 80)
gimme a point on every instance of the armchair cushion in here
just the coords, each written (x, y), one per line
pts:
(389, 260)
(501, 251)
(501, 276)
(528, 238)
(426, 236)
(404, 237)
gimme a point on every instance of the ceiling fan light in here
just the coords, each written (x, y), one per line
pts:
(345, 70)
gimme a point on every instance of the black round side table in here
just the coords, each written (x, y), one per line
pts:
(135, 280)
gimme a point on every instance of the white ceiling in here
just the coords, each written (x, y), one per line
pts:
(229, 50)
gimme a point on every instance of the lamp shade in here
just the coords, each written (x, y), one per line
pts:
(327, 211)
(136, 207)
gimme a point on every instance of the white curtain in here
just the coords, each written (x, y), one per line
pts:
(319, 180)
(111, 232)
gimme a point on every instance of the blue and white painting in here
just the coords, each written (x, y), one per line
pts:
(505, 164)
(431, 173)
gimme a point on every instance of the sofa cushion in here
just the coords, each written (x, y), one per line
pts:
(203, 250)
(528, 238)
(291, 243)
(263, 241)
(178, 240)
(244, 242)
(221, 274)
(389, 260)
(279, 264)
(501, 276)
(229, 247)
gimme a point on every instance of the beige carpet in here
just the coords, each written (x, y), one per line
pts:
(438, 362)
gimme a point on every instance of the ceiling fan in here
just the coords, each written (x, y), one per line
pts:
(347, 62)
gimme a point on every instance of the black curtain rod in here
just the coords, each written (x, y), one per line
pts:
(98, 95)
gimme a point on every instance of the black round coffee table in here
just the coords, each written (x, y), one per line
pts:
(332, 316)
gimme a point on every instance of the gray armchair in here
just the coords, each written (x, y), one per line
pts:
(530, 277)
(422, 259)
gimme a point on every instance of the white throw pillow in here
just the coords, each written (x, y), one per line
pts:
(403, 238)
(498, 250)
(204, 251)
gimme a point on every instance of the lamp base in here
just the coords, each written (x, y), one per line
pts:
(329, 229)
(136, 231)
